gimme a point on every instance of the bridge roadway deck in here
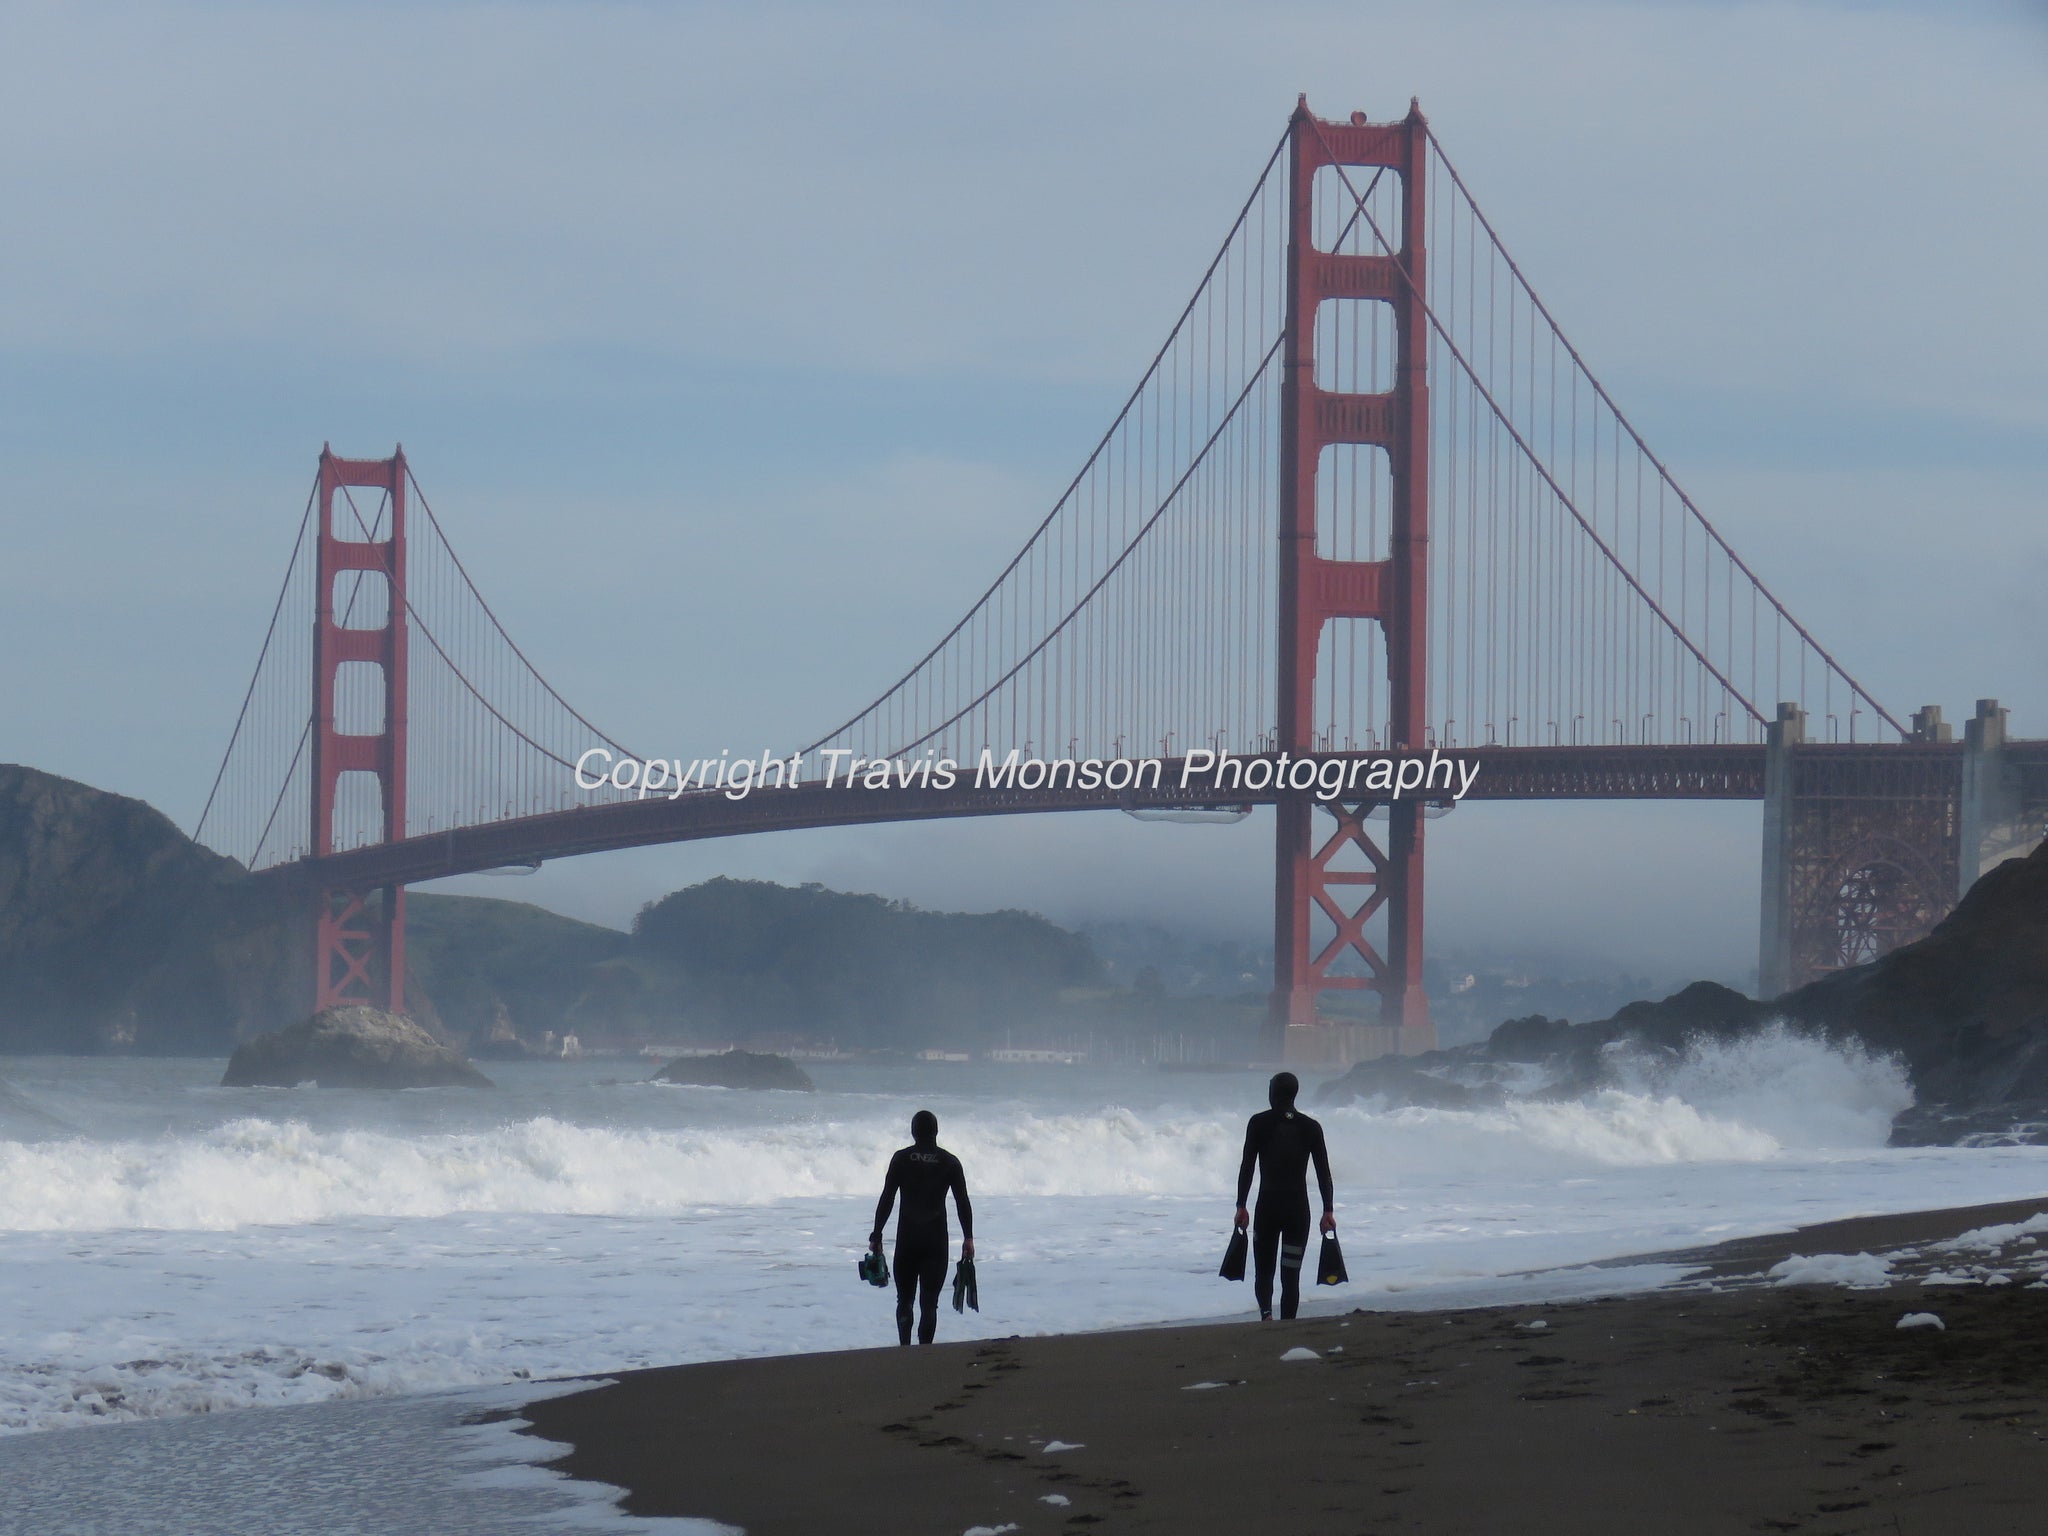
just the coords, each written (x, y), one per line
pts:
(1699, 772)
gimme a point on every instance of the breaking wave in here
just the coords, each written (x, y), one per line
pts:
(1737, 1102)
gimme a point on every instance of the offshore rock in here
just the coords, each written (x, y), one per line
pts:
(737, 1069)
(1407, 1082)
(350, 1047)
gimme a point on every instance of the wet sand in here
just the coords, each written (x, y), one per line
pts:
(1747, 1407)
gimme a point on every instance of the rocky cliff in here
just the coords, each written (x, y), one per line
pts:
(117, 931)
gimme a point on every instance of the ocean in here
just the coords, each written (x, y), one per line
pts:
(173, 1253)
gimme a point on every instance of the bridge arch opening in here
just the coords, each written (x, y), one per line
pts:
(1354, 501)
(362, 599)
(1338, 227)
(1355, 348)
(361, 698)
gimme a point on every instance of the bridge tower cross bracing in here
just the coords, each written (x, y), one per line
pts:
(358, 945)
(1318, 872)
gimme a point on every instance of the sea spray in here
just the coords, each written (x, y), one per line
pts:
(1393, 1149)
(1800, 1088)
(1743, 1100)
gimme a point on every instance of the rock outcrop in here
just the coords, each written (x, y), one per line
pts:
(1964, 1009)
(350, 1047)
(737, 1069)
(1407, 1082)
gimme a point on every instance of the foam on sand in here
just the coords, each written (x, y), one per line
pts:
(1860, 1271)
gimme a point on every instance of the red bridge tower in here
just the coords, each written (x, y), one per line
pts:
(359, 943)
(1349, 876)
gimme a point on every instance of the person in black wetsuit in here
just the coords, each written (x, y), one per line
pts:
(925, 1172)
(1280, 1142)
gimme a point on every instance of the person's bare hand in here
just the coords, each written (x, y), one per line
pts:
(967, 1249)
(874, 1244)
(1243, 1218)
(1329, 1223)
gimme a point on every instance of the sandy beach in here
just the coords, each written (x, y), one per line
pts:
(1731, 1403)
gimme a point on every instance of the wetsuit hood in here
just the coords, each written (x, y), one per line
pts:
(1280, 1092)
(924, 1127)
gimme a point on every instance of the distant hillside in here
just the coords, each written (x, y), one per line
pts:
(490, 964)
(751, 957)
(119, 932)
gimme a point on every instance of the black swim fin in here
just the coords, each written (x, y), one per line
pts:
(965, 1292)
(1330, 1267)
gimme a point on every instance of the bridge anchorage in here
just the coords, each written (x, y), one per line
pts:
(1367, 499)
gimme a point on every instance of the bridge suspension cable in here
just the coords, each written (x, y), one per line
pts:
(1578, 595)
(498, 740)
(1135, 618)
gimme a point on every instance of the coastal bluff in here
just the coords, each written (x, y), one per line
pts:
(119, 933)
(1964, 1011)
(350, 1047)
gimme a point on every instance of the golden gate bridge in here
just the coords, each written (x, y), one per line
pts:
(1366, 498)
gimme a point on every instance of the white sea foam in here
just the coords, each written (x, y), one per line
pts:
(257, 1171)
(1858, 1271)
(1735, 1103)
(1992, 1239)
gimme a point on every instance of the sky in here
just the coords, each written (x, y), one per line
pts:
(735, 345)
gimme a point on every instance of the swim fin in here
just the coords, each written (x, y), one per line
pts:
(965, 1293)
(1330, 1267)
(873, 1268)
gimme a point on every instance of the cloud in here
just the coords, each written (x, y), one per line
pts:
(1763, 191)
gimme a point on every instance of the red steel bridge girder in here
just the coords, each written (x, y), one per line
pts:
(1704, 772)
(359, 953)
(1313, 589)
